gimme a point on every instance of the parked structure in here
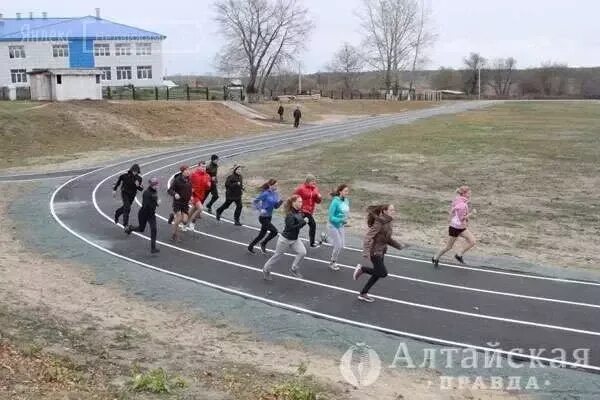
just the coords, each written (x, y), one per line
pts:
(65, 84)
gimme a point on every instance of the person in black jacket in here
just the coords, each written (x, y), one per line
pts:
(212, 170)
(289, 238)
(181, 190)
(147, 214)
(130, 183)
(234, 187)
(280, 111)
(297, 116)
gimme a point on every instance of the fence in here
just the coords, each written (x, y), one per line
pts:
(163, 93)
(21, 93)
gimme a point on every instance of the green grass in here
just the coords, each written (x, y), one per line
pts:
(156, 381)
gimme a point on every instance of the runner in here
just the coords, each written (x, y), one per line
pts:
(181, 190)
(234, 186)
(297, 116)
(310, 198)
(289, 238)
(265, 203)
(338, 218)
(459, 221)
(212, 170)
(201, 183)
(147, 214)
(375, 245)
(130, 183)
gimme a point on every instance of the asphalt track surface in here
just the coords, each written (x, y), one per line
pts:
(458, 306)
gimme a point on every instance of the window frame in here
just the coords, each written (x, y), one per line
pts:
(119, 47)
(124, 69)
(105, 47)
(106, 73)
(16, 52)
(144, 72)
(60, 50)
(143, 49)
(18, 75)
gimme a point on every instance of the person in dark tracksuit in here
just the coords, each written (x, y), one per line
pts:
(181, 190)
(265, 203)
(297, 116)
(280, 111)
(377, 239)
(130, 183)
(212, 170)
(234, 187)
(147, 214)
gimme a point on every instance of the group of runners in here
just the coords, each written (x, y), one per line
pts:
(192, 186)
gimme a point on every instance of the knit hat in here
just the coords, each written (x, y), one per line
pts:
(214, 157)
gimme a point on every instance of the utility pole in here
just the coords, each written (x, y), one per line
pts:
(479, 80)
(299, 77)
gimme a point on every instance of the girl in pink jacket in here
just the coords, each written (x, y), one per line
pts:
(459, 221)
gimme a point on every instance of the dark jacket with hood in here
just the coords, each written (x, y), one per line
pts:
(234, 186)
(294, 221)
(130, 183)
(212, 169)
(149, 201)
(183, 187)
(379, 237)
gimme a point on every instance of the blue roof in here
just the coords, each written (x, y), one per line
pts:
(35, 29)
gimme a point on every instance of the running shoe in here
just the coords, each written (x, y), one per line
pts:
(357, 272)
(251, 249)
(263, 248)
(460, 259)
(237, 223)
(209, 210)
(191, 226)
(436, 263)
(116, 220)
(315, 245)
(267, 275)
(296, 273)
(333, 266)
(366, 298)
(128, 230)
(218, 215)
(154, 251)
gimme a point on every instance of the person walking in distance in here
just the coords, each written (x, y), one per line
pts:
(375, 244)
(234, 187)
(310, 198)
(201, 183)
(289, 238)
(147, 214)
(212, 170)
(297, 116)
(130, 183)
(181, 190)
(459, 222)
(280, 111)
(337, 219)
(267, 201)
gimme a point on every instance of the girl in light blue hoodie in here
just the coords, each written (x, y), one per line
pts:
(338, 218)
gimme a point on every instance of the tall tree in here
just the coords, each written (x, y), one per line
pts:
(500, 76)
(474, 64)
(260, 35)
(423, 37)
(347, 62)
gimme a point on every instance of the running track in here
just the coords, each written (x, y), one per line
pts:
(454, 305)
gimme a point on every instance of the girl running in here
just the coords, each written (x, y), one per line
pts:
(375, 245)
(459, 221)
(147, 214)
(265, 203)
(310, 198)
(130, 183)
(234, 187)
(294, 221)
(338, 218)
(201, 183)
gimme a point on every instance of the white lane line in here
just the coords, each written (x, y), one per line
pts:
(311, 312)
(315, 283)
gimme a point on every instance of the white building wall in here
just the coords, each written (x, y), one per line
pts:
(40, 87)
(75, 87)
(37, 55)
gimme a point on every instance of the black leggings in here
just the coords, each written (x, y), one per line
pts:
(214, 195)
(126, 208)
(378, 271)
(145, 217)
(265, 226)
(312, 228)
(238, 208)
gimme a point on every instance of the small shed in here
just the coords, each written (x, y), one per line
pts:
(66, 84)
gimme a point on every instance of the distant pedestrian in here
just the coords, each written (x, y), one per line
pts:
(147, 214)
(267, 201)
(289, 238)
(212, 170)
(280, 111)
(181, 190)
(459, 226)
(130, 183)
(201, 183)
(234, 187)
(297, 116)
(375, 244)
(310, 198)
(337, 219)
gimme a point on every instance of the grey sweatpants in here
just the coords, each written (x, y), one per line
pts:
(338, 240)
(284, 245)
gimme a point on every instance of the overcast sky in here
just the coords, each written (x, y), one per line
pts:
(532, 31)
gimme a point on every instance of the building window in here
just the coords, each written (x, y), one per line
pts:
(59, 79)
(144, 72)
(102, 49)
(123, 49)
(60, 50)
(123, 73)
(18, 76)
(16, 51)
(143, 49)
(106, 75)
(97, 79)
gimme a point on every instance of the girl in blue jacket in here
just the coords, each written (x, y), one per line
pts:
(338, 217)
(265, 203)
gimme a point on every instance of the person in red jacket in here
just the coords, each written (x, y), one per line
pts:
(309, 192)
(201, 183)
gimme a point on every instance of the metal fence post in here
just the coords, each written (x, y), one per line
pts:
(132, 92)
(167, 93)
(207, 98)
(187, 91)
(155, 93)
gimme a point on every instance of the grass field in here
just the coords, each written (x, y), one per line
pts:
(533, 168)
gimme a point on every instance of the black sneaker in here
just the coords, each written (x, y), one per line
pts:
(237, 223)
(218, 216)
(251, 249)
(209, 210)
(436, 263)
(263, 248)
(296, 273)
(171, 218)
(315, 245)
(459, 259)
(154, 251)
(128, 230)
(116, 220)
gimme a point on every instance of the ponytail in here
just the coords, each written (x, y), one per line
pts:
(268, 184)
(288, 206)
(339, 190)
(375, 211)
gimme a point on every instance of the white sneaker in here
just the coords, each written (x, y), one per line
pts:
(182, 227)
(357, 272)
(333, 266)
(366, 298)
(191, 226)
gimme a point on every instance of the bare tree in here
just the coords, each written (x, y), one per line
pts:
(389, 27)
(423, 37)
(347, 62)
(260, 34)
(447, 78)
(474, 63)
(500, 75)
(552, 78)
